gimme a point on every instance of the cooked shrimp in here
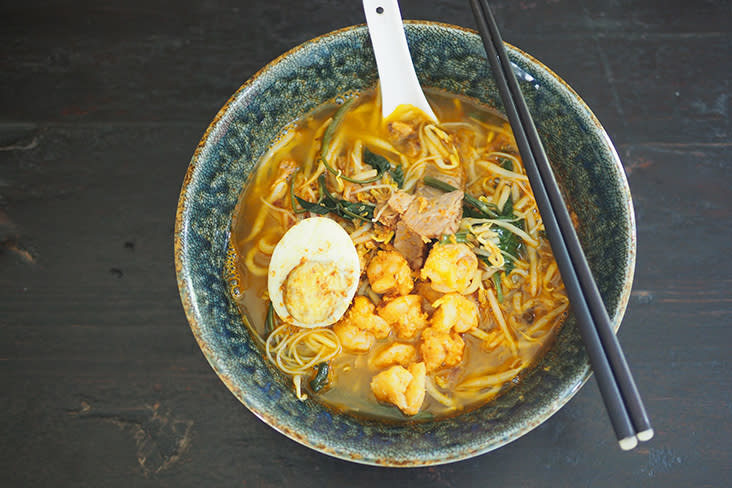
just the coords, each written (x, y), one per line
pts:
(454, 312)
(450, 267)
(358, 329)
(352, 337)
(396, 353)
(402, 387)
(441, 349)
(416, 388)
(390, 274)
(404, 314)
(363, 315)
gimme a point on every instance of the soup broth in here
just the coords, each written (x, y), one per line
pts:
(489, 298)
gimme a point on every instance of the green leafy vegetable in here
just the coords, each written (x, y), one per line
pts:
(509, 243)
(382, 165)
(293, 197)
(320, 380)
(328, 203)
(471, 212)
(397, 174)
(506, 163)
(497, 283)
(457, 237)
(507, 210)
(269, 322)
(376, 161)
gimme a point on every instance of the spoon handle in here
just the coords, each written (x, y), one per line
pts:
(398, 80)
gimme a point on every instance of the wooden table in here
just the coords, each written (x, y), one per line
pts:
(101, 107)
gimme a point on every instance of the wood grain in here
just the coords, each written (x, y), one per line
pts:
(102, 107)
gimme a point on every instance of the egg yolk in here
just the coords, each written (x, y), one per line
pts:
(313, 289)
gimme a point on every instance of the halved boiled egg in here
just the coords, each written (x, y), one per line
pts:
(314, 273)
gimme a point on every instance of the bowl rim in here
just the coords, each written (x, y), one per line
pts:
(187, 291)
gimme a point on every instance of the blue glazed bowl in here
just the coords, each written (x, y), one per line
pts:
(451, 59)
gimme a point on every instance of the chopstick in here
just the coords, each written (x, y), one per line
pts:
(621, 397)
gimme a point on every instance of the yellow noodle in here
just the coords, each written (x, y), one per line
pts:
(520, 203)
(503, 198)
(486, 396)
(266, 247)
(280, 145)
(498, 170)
(258, 224)
(297, 380)
(437, 395)
(278, 210)
(360, 231)
(357, 156)
(505, 337)
(434, 142)
(549, 274)
(380, 143)
(454, 163)
(251, 266)
(496, 309)
(506, 225)
(493, 129)
(474, 283)
(533, 279)
(489, 380)
(542, 322)
(458, 125)
(479, 334)
(336, 145)
(375, 186)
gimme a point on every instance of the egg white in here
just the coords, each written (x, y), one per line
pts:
(318, 239)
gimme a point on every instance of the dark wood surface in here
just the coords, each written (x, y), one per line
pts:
(101, 107)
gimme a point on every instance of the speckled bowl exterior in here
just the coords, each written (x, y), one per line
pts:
(448, 58)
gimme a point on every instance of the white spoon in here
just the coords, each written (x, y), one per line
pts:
(398, 80)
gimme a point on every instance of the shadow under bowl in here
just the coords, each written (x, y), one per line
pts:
(451, 59)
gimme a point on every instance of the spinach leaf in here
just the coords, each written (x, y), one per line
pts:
(506, 163)
(316, 208)
(509, 243)
(397, 174)
(382, 165)
(376, 161)
(330, 204)
(321, 378)
(344, 208)
(507, 210)
(269, 322)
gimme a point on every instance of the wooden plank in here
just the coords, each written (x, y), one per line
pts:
(103, 106)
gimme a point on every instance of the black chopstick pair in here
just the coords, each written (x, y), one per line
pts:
(622, 400)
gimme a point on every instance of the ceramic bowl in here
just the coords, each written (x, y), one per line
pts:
(451, 59)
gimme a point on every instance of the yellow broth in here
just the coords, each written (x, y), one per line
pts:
(533, 304)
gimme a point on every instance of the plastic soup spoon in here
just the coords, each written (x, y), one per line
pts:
(398, 80)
